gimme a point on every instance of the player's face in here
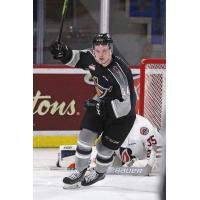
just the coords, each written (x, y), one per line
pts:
(103, 54)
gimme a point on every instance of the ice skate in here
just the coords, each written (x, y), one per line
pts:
(92, 178)
(74, 180)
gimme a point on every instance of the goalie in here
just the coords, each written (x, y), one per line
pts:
(142, 148)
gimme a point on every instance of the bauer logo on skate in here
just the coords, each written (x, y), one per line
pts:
(42, 105)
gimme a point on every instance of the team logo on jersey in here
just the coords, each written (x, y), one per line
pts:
(92, 67)
(101, 91)
(144, 130)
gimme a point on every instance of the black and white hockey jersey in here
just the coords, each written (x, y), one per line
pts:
(114, 83)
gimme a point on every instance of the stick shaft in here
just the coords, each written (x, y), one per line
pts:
(64, 10)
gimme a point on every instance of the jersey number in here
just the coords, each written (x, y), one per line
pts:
(151, 140)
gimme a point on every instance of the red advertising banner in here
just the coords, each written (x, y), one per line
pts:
(59, 96)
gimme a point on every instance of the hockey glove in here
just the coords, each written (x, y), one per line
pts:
(98, 107)
(60, 51)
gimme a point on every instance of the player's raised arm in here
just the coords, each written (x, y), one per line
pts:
(72, 58)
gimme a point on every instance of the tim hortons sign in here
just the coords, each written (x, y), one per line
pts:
(58, 100)
(42, 105)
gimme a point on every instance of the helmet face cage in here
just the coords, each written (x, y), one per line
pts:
(103, 39)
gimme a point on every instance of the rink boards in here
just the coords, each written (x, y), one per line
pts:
(54, 138)
(59, 94)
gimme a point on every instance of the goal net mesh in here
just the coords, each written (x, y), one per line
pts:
(153, 91)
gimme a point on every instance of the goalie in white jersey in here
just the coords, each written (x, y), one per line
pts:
(142, 148)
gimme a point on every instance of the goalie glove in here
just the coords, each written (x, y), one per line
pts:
(97, 106)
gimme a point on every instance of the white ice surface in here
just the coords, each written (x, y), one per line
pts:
(48, 183)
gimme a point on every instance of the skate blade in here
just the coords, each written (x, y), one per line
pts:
(72, 186)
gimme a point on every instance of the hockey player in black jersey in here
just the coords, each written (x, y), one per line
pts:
(111, 112)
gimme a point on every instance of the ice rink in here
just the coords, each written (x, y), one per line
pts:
(48, 183)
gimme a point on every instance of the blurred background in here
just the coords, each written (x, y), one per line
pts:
(136, 26)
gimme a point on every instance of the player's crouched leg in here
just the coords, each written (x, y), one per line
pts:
(103, 161)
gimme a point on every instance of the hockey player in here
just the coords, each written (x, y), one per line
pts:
(110, 113)
(142, 147)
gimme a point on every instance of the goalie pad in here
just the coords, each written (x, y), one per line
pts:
(66, 156)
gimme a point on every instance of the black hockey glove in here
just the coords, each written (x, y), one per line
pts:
(98, 107)
(60, 51)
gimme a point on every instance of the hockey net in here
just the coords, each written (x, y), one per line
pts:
(153, 91)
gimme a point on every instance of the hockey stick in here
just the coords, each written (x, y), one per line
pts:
(64, 11)
(133, 171)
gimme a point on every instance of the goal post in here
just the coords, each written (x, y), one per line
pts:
(152, 103)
